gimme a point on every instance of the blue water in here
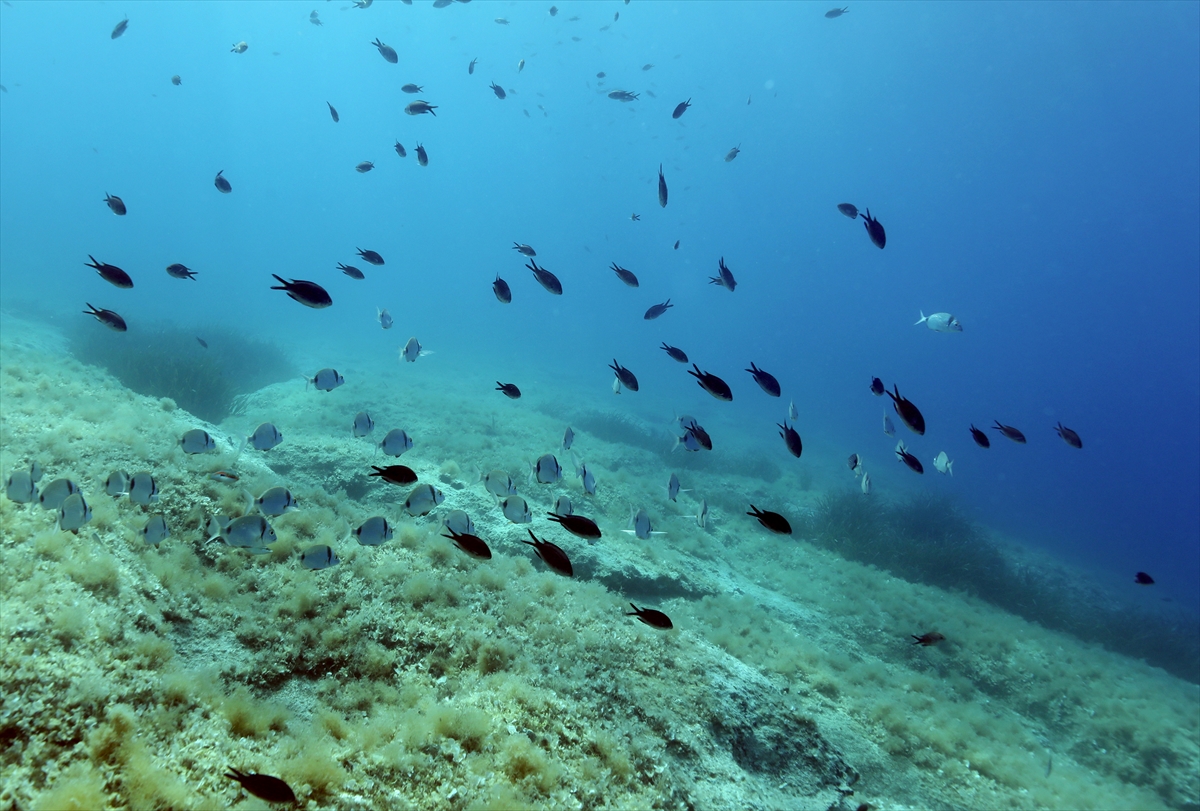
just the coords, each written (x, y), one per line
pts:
(1036, 167)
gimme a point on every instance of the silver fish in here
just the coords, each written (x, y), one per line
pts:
(197, 440)
(327, 380)
(587, 479)
(943, 463)
(516, 510)
(793, 414)
(56, 492)
(363, 424)
(940, 322)
(73, 513)
(117, 484)
(155, 531)
(616, 387)
(547, 470)
(385, 318)
(411, 350)
(568, 439)
(640, 521)
(373, 531)
(888, 428)
(265, 437)
(702, 514)
(321, 556)
(423, 499)
(866, 484)
(688, 441)
(20, 487)
(673, 487)
(396, 442)
(498, 483)
(250, 532)
(275, 501)
(143, 489)
(562, 506)
(458, 522)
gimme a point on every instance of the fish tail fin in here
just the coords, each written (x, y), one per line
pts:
(924, 318)
(950, 467)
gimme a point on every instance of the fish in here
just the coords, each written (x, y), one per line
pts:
(396, 442)
(115, 204)
(699, 435)
(510, 390)
(265, 437)
(110, 273)
(420, 107)
(657, 310)
(175, 80)
(601, 75)
(689, 441)
(568, 439)
(877, 387)
(197, 440)
(866, 483)
(681, 108)
(943, 464)
(275, 501)
(635, 217)
(545, 278)
(263, 786)
(502, 290)
(223, 476)
(834, 13)
(20, 487)
(524, 250)
(854, 463)
(616, 385)
(712, 384)
(733, 153)
(771, 520)
(459, 521)
(577, 525)
(386, 51)
(119, 28)
(520, 66)
(675, 352)
(473, 545)
(890, 429)
(925, 640)
(108, 318)
(874, 230)
(471, 66)
(516, 510)
(364, 167)
(179, 271)
(155, 530)
(791, 438)
(907, 458)
(702, 514)
(623, 95)
(310, 294)
(653, 618)
(73, 513)
(625, 275)
(373, 532)
(384, 318)
(423, 499)
(673, 487)
(563, 506)
(724, 277)
(793, 413)
(411, 88)
(422, 156)
(239, 47)
(394, 474)
(1069, 436)
(55, 493)
(399, 147)
(849, 210)
(676, 244)
(765, 380)
(363, 424)
(1143, 579)
(333, 112)
(318, 557)
(981, 439)
(627, 378)
(411, 350)
(1010, 432)
(640, 521)
(223, 185)
(250, 532)
(370, 257)
(909, 414)
(940, 322)
(327, 380)
(499, 91)
(547, 470)
(551, 555)
(143, 489)
(553, 11)
(586, 478)
(662, 188)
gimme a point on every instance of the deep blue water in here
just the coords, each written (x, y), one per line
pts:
(1036, 166)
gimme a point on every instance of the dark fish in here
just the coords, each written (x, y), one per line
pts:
(263, 786)
(471, 67)
(422, 156)
(120, 28)
(553, 10)
(386, 51)
(834, 13)
(498, 90)
(623, 95)
(675, 352)
(545, 278)
(877, 387)
(662, 188)
(551, 555)
(202, 342)
(399, 147)
(925, 640)
(772, 521)
(179, 271)
(657, 310)
(395, 474)
(874, 230)
(1143, 579)
(420, 107)
(849, 210)
(676, 244)
(1010, 432)
(411, 88)
(364, 167)
(724, 277)
(524, 250)
(791, 438)
(370, 256)
(635, 217)
(627, 378)
(907, 458)
(502, 290)
(712, 384)
(473, 545)
(655, 619)
(625, 275)
(577, 525)
(1069, 436)
(733, 153)
(310, 294)
(765, 380)
(351, 271)
(111, 273)
(981, 439)
(175, 80)
(698, 435)
(115, 203)
(681, 108)
(221, 183)
(601, 75)
(333, 112)
(853, 461)
(108, 318)
(908, 412)
(510, 390)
